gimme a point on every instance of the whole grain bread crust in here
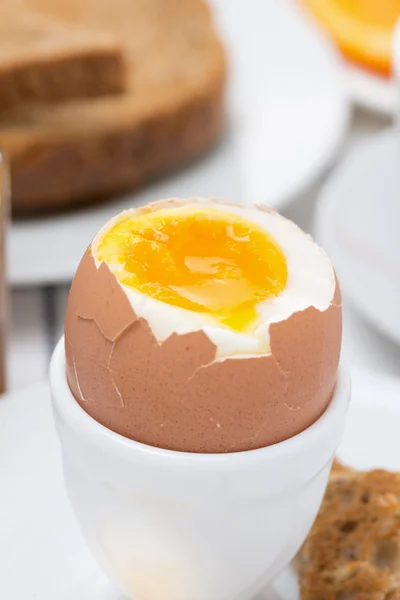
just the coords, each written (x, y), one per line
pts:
(353, 549)
(172, 112)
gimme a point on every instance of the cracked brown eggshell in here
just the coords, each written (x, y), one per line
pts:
(177, 394)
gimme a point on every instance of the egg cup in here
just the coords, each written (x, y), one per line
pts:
(167, 525)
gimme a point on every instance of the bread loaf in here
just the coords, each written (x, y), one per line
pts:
(172, 111)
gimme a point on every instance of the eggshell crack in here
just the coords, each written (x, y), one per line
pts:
(176, 394)
(97, 303)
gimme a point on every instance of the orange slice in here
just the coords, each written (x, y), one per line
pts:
(361, 28)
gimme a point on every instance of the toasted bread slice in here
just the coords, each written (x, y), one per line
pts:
(172, 111)
(44, 60)
(353, 549)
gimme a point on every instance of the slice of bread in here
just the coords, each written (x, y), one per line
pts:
(353, 549)
(44, 60)
(172, 111)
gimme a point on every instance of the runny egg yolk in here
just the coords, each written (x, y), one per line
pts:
(200, 259)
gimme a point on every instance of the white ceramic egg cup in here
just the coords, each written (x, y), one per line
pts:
(168, 525)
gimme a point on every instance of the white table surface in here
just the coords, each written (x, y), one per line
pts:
(37, 314)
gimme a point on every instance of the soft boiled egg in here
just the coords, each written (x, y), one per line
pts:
(202, 326)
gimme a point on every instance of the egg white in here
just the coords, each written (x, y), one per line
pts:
(310, 282)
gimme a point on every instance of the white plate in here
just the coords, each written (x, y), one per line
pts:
(289, 115)
(358, 221)
(42, 553)
(373, 92)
